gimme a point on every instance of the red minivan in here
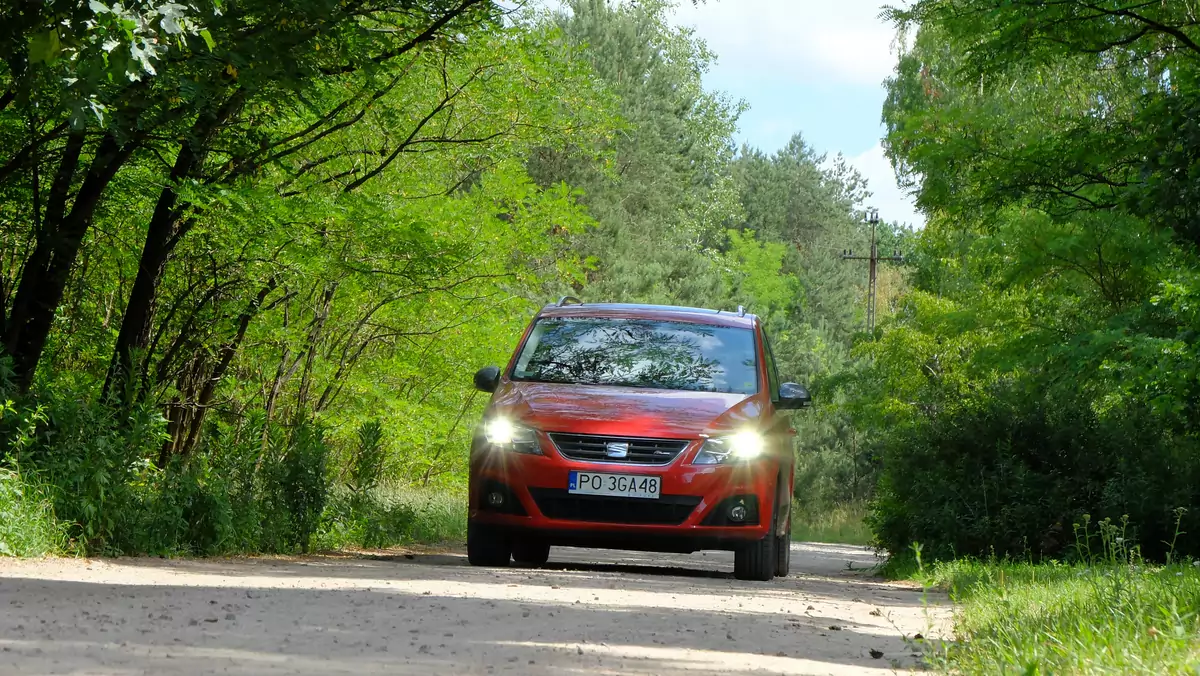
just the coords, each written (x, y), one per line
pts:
(641, 427)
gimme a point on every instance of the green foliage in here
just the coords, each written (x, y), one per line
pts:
(366, 468)
(245, 498)
(92, 459)
(1044, 366)
(658, 185)
(1007, 472)
(303, 484)
(390, 516)
(753, 273)
(364, 520)
(27, 523)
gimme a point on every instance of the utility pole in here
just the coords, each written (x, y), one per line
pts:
(874, 258)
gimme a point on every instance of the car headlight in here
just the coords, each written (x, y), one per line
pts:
(510, 436)
(741, 446)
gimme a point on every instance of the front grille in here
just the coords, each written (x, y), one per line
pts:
(557, 503)
(633, 450)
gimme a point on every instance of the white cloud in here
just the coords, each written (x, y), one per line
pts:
(834, 45)
(893, 204)
(811, 40)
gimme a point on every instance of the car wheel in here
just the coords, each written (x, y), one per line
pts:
(783, 554)
(756, 561)
(487, 545)
(530, 552)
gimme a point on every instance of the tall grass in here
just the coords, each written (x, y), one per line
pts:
(1108, 613)
(392, 515)
(27, 523)
(840, 524)
(441, 514)
(1072, 619)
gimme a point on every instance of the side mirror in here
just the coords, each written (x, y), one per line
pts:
(487, 378)
(792, 397)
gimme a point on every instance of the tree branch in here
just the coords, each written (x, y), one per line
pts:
(412, 136)
(426, 35)
(1127, 12)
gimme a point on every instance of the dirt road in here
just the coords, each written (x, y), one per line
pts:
(588, 612)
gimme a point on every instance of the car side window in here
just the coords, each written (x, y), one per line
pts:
(772, 374)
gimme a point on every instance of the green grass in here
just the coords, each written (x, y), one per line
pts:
(392, 515)
(27, 523)
(1110, 618)
(441, 514)
(840, 524)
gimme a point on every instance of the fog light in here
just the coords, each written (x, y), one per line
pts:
(737, 513)
(495, 498)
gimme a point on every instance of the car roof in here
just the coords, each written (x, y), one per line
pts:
(693, 315)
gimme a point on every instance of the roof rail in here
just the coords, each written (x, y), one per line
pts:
(565, 300)
(741, 311)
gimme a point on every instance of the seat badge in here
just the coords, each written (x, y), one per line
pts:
(616, 449)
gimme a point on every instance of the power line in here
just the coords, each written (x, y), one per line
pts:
(874, 258)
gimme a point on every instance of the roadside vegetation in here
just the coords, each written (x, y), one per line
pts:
(1103, 610)
(838, 523)
(1043, 363)
(27, 523)
(1025, 618)
(1033, 401)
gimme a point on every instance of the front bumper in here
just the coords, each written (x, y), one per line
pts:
(692, 512)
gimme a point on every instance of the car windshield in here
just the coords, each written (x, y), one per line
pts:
(639, 353)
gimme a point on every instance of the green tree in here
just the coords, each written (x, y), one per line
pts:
(171, 94)
(659, 188)
(1033, 376)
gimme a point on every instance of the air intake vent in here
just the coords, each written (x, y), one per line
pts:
(557, 503)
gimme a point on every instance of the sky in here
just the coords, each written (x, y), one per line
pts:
(811, 66)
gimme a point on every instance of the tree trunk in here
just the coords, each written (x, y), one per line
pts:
(310, 355)
(163, 234)
(139, 312)
(224, 359)
(187, 417)
(47, 270)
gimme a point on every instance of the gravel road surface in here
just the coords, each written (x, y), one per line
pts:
(587, 612)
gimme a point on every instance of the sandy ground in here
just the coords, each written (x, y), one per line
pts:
(587, 612)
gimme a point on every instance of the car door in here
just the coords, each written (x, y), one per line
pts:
(779, 430)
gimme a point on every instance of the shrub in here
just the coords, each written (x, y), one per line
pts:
(87, 455)
(366, 465)
(242, 490)
(184, 508)
(1008, 472)
(303, 484)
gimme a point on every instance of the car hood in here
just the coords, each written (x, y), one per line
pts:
(623, 411)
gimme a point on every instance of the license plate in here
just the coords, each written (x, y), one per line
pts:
(623, 485)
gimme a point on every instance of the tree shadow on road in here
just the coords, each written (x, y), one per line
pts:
(575, 568)
(203, 626)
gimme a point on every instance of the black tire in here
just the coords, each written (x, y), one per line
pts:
(487, 546)
(783, 554)
(530, 552)
(756, 561)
